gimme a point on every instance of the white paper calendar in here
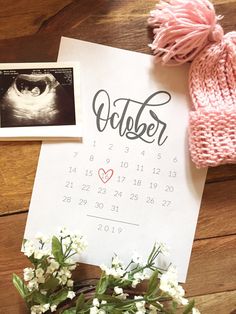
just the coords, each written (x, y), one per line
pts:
(130, 182)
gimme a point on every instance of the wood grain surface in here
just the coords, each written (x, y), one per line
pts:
(31, 31)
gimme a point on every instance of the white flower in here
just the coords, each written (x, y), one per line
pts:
(70, 283)
(42, 238)
(140, 305)
(141, 275)
(136, 258)
(195, 311)
(38, 254)
(33, 284)
(63, 275)
(72, 267)
(62, 279)
(168, 280)
(39, 309)
(53, 308)
(28, 273)
(125, 277)
(66, 243)
(40, 275)
(183, 301)
(152, 309)
(36, 309)
(63, 232)
(71, 295)
(135, 282)
(72, 264)
(116, 262)
(65, 271)
(118, 290)
(119, 272)
(93, 310)
(46, 307)
(96, 302)
(28, 248)
(54, 265)
(115, 272)
(169, 284)
(120, 294)
(79, 244)
(39, 272)
(41, 279)
(138, 277)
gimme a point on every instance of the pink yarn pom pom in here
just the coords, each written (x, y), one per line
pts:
(182, 29)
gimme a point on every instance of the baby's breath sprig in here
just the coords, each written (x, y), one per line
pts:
(48, 285)
(48, 282)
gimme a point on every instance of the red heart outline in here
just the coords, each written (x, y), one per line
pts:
(105, 176)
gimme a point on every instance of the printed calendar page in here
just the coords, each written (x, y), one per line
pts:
(130, 182)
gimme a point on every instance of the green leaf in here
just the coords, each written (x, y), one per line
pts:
(51, 284)
(20, 286)
(33, 260)
(70, 311)
(102, 284)
(59, 297)
(150, 258)
(111, 299)
(57, 250)
(113, 310)
(117, 311)
(38, 298)
(153, 284)
(80, 302)
(189, 307)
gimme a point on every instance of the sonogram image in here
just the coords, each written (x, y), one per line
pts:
(37, 97)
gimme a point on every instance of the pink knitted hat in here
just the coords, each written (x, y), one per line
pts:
(188, 31)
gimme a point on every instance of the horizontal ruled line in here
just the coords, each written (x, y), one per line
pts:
(120, 221)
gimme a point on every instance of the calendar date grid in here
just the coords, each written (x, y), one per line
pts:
(83, 181)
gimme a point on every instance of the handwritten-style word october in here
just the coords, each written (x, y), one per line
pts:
(116, 115)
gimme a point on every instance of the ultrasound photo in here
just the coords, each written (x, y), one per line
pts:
(37, 97)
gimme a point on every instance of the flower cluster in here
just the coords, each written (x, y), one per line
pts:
(162, 287)
(48, 285)
(118, 271)
(169, 285)
(48, 282)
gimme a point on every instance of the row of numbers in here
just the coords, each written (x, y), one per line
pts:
(115, 208)
(125, 164)
(127, 150)
(121, 179)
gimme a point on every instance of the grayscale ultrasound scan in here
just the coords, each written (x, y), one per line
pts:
(37, 97)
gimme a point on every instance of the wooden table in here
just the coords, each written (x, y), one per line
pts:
(119, 23)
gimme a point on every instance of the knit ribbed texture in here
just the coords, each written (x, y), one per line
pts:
(189, 31)
(212, 126)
